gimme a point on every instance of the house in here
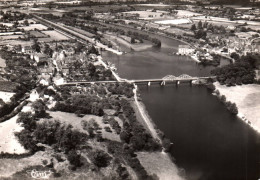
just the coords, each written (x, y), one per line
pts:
(185, 50)
(35, 94)
(39, 57)
(27, 49)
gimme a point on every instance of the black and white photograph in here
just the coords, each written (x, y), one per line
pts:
(130, 89)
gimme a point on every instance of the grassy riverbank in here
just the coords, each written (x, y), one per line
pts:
(247, 99)
(136, 46)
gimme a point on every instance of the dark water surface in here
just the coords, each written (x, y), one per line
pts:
(209, 142)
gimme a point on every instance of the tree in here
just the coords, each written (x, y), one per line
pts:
(223, 98)
(74, 159)
(132, 40)
(101, 158)
(39, 108)
(233, 108)
(26, 23)
(193, 27)
(200, 25)
(205, 25)
(28, 120)
(200, 34)
(36, 47)
(234, 55)
(125, 136)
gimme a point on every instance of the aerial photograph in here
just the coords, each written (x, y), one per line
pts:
(130, 89)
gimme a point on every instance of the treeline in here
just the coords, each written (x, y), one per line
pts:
(240, 72)
(80, 104)
(121, 89)
(232, 107)
(133, 132)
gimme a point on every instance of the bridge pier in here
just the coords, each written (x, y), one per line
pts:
(163, 83)
(191, 82)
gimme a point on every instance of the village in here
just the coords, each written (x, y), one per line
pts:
(65, 109)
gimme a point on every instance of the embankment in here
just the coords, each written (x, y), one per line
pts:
(247, 99)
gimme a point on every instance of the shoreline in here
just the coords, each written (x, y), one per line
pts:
(250, 116)
(149, 122)
(135, 47)
(145, 116)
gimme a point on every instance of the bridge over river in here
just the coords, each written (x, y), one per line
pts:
(169, 79)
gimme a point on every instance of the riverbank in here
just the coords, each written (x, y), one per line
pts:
(247, 99)
(143, 114)
(160, 163)
(135, 47)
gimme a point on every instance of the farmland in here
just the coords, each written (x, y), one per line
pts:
(33, 27)
(56, 36)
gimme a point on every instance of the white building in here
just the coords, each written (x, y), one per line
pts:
(185, 50)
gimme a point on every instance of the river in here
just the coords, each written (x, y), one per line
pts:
(208, 142)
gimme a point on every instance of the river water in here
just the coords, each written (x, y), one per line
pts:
(208, 142)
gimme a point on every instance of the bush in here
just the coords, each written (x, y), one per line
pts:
(101, 158)
(74, 158)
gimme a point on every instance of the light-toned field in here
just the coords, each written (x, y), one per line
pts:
(10, 166)
(8, 141)
(8, 24)
(185, 13)
(2, 38)
(160, 164)
(2, 62)
(5, 96)
(174, 21)
(247, 99)
(34, 26)
(147, 14)
(15, 42)
(54, 35)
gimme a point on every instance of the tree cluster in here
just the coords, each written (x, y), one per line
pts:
(240, 72)
(121, 89)
(133, 132)
(82, 104)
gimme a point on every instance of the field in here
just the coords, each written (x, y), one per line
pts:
(160, 164)
(55, 36)
(7, 86)
(5, 96)
(15, 42)
(174, 21)
(184, 13)
(2, 62)
(2, 38)
(147, 14)
(34, 26)
(37, 34)
(9, 142)
(247, 99)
